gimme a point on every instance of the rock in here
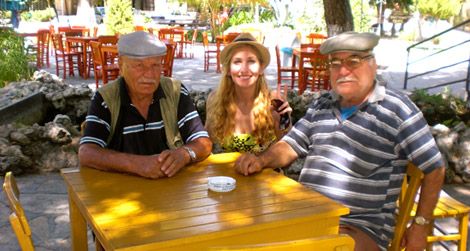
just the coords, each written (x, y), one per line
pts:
(19, 138)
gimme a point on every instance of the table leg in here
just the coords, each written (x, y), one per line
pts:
(78, 227)
(85, 61)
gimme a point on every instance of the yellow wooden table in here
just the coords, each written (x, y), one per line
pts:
(180, 213)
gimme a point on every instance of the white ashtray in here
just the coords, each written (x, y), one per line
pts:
(221, 183)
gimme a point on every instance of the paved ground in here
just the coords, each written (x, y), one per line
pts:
(44, 196)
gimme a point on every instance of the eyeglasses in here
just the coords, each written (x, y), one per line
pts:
(351, 62)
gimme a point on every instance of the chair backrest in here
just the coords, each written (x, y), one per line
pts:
(278, 61)
(320, 72)
(96, 53)
(58, 43)
(205, 40)
(324, 243)
(18, 219)
(411, 183)
(108, 39)
(167, 69)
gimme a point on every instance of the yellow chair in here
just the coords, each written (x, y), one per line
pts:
(406, 202)
(18, 220)
(446, 208)
(325, 243)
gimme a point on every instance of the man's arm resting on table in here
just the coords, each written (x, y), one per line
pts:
(415, 237)
(278, 155)
(173, 160)
(151, 166)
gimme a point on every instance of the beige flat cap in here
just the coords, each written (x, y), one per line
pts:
(140, 44)
(350, 41)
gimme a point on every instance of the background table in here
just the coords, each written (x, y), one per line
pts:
(180, 213)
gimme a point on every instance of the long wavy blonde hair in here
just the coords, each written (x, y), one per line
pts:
(221, 108)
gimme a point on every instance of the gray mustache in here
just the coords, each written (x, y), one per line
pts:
(346, 79)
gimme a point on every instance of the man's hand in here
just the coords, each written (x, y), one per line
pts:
(171, 161)
(248, 164)
(148, 166)
(414, 238)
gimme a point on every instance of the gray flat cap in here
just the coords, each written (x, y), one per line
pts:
(350, 41)
(140, 44)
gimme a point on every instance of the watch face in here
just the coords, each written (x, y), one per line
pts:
(420, 220)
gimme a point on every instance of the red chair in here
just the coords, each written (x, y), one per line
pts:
(318, 75)
(292, 70)
(65, 57)
(101, 66)
(168, 60)
(209, 52)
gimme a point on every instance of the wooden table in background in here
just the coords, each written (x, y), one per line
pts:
(303, 54)
(84, 44)
(180, 213)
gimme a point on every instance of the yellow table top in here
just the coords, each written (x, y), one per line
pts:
(133, 213)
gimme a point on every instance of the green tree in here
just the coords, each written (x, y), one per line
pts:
(13, 60)
(360, 15)
(119, 17)
(439, 9)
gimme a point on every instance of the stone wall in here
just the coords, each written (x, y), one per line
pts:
(54, 145)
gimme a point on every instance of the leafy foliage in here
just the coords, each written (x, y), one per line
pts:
(360, 15)
(13, 60)
(241, 17)
(441, 108)
(119, 17)
(439, 9)
(38, 15)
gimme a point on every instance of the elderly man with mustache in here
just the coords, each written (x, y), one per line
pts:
(357, 140)
(143, 123)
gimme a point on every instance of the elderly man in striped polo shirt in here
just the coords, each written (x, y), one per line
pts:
(126, 127)
(357, 141)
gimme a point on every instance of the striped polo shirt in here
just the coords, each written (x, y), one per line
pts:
(135, 134)
(360, 161)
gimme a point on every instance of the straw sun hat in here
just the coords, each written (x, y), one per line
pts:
(246, 39)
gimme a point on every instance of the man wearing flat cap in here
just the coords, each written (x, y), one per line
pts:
(357, 140)
(143, 123)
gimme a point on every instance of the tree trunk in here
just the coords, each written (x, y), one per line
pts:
(338, 16)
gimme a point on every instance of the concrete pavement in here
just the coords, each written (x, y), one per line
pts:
(44, 196)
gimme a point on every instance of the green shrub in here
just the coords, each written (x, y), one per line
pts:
(441, 108)
(38, 15)
(13, 60)
(119, 17)
(242, 17)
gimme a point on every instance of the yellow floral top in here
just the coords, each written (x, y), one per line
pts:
(245, 143)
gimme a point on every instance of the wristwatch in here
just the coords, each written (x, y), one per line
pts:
(192, 154)
(420, 220)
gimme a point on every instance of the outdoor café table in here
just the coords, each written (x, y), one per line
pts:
(127, 212)
(84, 44)
(303, 54)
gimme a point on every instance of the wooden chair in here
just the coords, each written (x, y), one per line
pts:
(168, 60)
(339, 242)
(209, 52)
(66, 57)
(108, 39)
(43, 40)
(446, 208)
(101, 67)
(18, 220)
(187, 45)
(293, 71)
(406, 201)
(317, 74)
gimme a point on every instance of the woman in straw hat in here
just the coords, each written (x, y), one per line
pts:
(241, 113)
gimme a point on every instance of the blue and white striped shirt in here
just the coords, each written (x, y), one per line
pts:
(360, 161)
